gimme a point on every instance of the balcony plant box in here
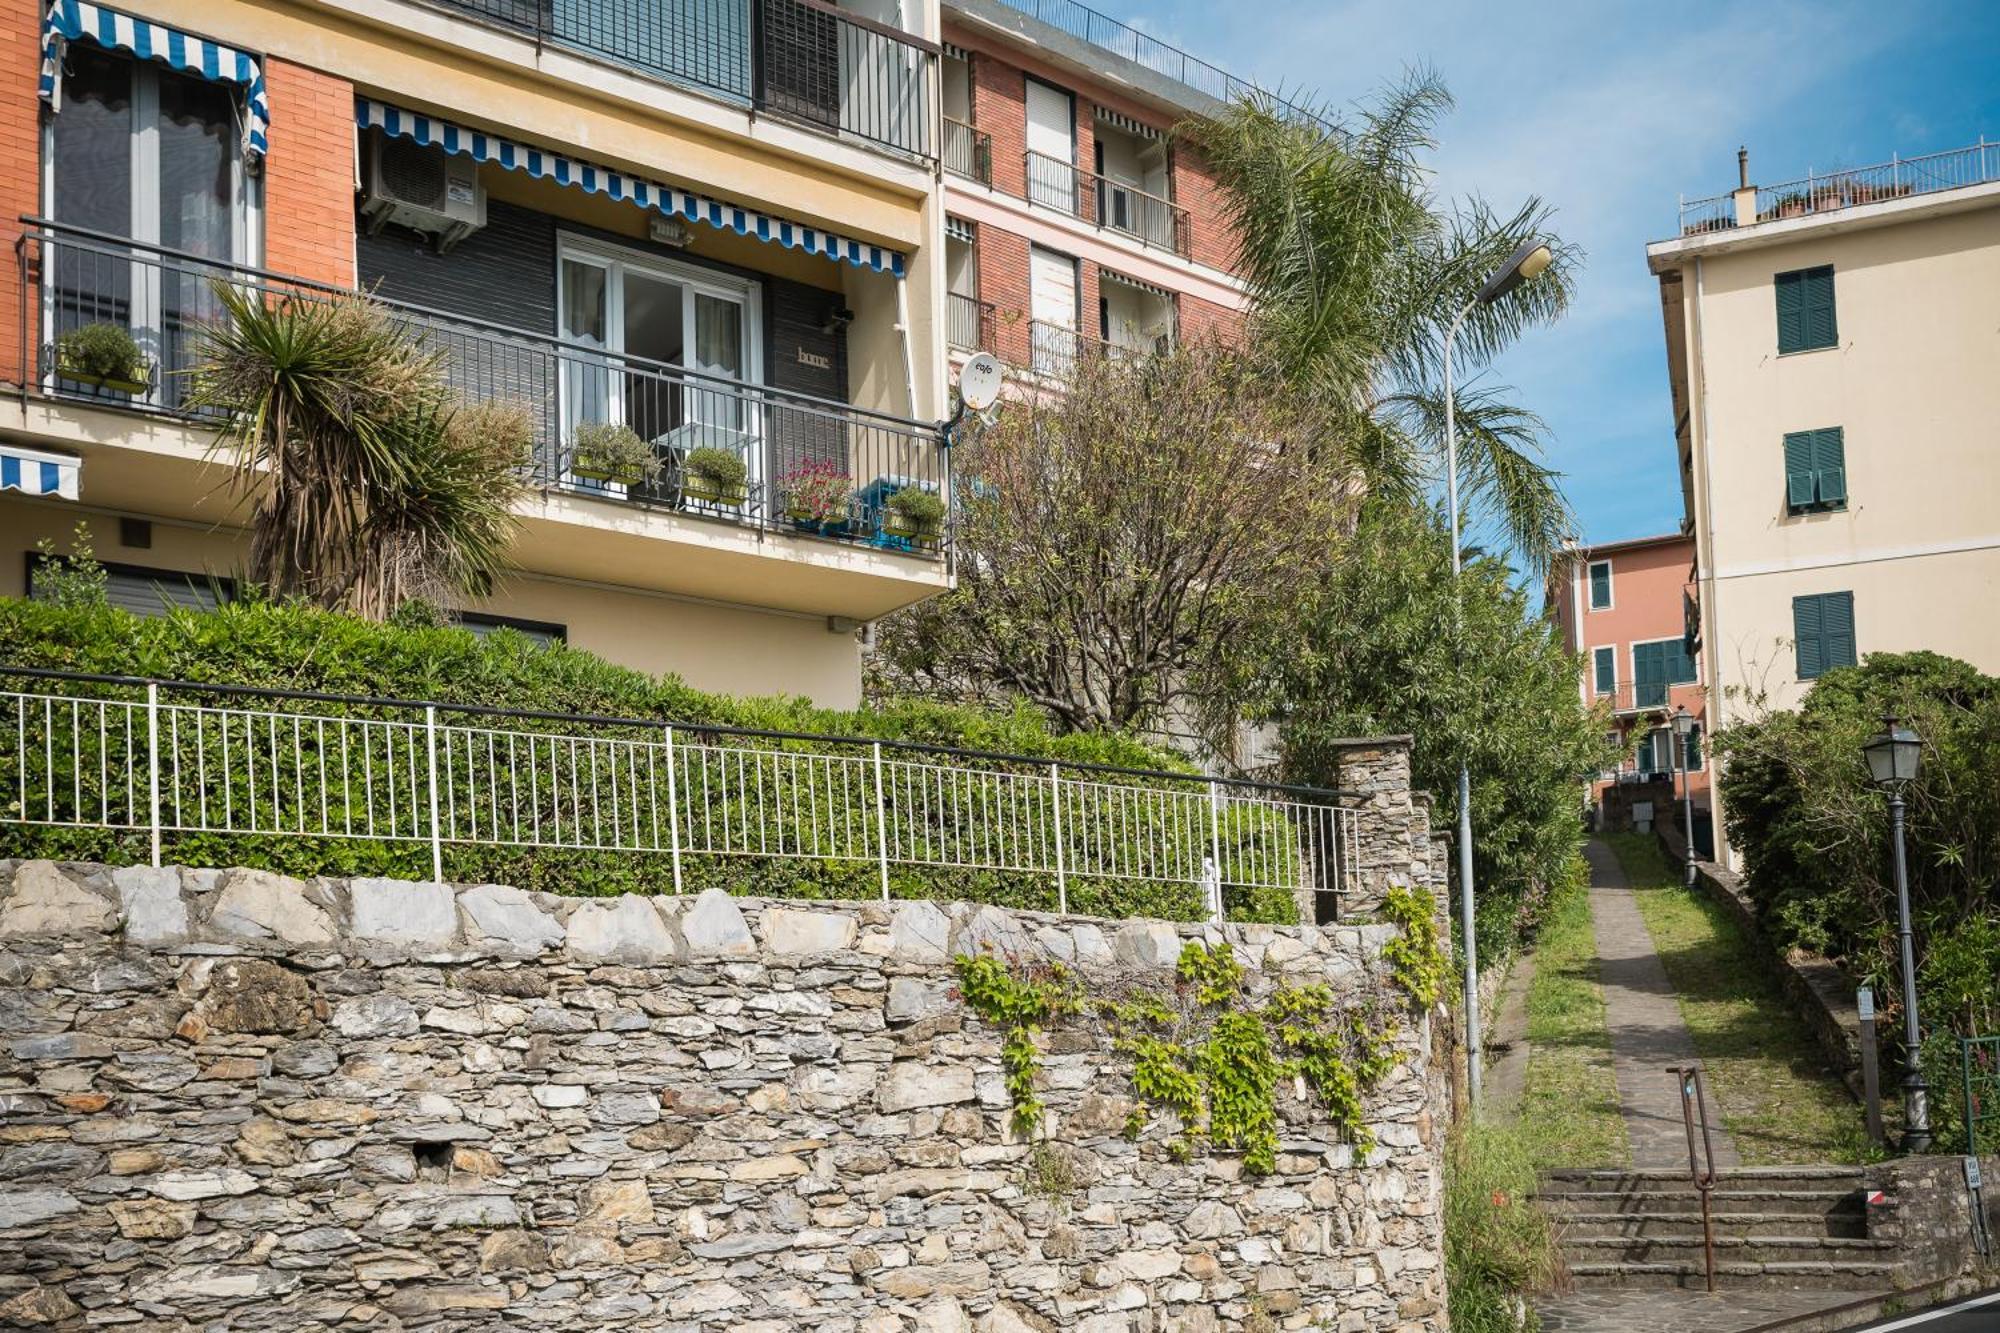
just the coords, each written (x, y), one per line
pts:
(103, 356)
(612, 452)
(915, 515)
(716, 476)
(818, 496)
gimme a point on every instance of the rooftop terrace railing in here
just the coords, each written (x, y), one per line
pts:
(71, 278)
(1827, 192)
(221, 770)
(801, 59)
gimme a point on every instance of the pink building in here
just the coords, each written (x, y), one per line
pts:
(1622, 607)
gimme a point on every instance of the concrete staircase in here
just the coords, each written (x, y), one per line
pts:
(1775, 1227)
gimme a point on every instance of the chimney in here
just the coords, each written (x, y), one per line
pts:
(1746, 193)
(1743, 168)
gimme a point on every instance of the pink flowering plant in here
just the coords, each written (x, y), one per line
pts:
(816, 491)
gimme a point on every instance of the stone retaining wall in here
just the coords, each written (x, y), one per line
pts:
(231, 1099)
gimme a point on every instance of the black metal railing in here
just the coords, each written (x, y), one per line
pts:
(847, 460)
(801, 59)
(1106, 203)
(968, 322)
(968, 152)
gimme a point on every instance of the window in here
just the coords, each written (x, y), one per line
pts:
(1051, 144)
(1815, 470)
(144, 591)
(1604, 662)
(1052, 310)
(140, 150)
(1823, 631)
(1655, 667)
(1600, 585)
(1655, 751)
(541, 632)
(1693, 756)
(1805, 310)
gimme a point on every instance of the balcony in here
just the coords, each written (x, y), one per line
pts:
(1831, 192)
(800, 60)
(1107, 204)
(1638, 698)
(968, 323)
(76, 278)
(968, 152)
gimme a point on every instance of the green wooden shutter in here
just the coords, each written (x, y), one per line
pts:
(1649, 675)
(1606, 660)
(1679, 666)
(1799, 455)
(1821, 329)
(1837, 628)
(1807, 635)
(1600, 586)
(1791, 311)
(1830, 465)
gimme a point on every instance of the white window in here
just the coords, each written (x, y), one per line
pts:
(650, 317)
(1052, 310)
(1051, 146)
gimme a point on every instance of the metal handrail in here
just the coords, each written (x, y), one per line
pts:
(968, 322)
(968, 151)
(1052, 182)
(1695, 1106)
(1830, 191)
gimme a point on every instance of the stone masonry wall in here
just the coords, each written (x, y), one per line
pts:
(229, 1099)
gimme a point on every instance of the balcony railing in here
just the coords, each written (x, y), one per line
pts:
(968, 152)
(1106, 203)
(71, 278)
(1634, 697)
(1828, 192)
(968, 322)
(801, 59)
(171, 769)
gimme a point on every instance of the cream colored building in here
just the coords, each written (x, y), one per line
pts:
(1833, 347)
(718, 225)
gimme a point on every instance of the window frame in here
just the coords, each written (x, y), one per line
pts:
(1670, 686)
(1833, 309)
(1602, 653)
(1813, 440)
(1798, 640)
(1590, 585)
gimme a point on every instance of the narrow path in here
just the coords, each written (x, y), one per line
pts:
(1644, 1019)
(1507, 1042)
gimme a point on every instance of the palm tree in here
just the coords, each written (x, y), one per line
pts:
(1355, 270)
(371, 485)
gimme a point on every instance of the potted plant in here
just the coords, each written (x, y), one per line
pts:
(1792, 205)
(915, 513)
(817, 494)
(103, 355)
(716, 475)
(610, 451)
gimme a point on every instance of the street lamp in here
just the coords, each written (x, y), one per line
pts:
(1527, 263)
(1683, 731)
(1893, 760)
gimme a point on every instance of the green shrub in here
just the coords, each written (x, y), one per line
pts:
(296, 648)
(1815, 836)
(105, 351)
(613, 450)
(923, 508)
(718, 466)
(1498, 1246)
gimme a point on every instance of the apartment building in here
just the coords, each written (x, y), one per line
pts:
(1834, 358)
(715, 224)
(1623, 609)
(1075, 222)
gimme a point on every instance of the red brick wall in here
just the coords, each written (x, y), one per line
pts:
(1196, 191)
(1000, 108)
(20, 158)
(1201, 319)
(309, 175)
(1003, 282)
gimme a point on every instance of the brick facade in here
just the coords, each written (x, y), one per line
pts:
(1195, 189)
(1003, 283)
(309, 175)
(1201, 319)
(20, 156)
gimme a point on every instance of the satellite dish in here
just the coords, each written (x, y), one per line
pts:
(979, 381)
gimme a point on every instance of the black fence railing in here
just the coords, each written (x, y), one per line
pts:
(813, 465)
(1107, 203)
(968, 322)
(968, 152)
(800, 59)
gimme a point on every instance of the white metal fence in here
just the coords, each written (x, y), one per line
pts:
(165, 759)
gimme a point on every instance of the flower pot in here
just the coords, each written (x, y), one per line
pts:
(137, 386)
(902, 525)
(697, 487)
(594, 471)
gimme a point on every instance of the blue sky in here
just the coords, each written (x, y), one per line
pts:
(1611, 111)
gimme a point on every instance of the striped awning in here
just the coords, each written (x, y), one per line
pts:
(1127, 123)
(80, 20)
(956, 52)
(614, 184)
(958, 229)
(33, 472)
(1123, 280)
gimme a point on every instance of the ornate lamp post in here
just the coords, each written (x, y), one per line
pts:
(1893, 760)
(1683, 732)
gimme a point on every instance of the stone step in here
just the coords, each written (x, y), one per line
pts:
(1843, 1276)
(1727, 1198)
(1686, 1248)
(1683, 1222)
(1625, 1180)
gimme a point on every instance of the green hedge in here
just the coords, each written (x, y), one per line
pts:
(297, 648)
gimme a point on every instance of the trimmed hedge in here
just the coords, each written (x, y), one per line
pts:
(297, 648)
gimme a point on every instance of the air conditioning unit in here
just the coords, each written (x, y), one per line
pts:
(425, 189)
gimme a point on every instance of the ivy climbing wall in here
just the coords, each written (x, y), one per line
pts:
(229, 1098)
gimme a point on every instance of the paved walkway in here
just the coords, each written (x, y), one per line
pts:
(1639, 1310)
(1644, 1018)
(1506, 1070)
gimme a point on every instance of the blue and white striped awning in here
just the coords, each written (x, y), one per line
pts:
(545, 165)
(33, 472)
(71, 20)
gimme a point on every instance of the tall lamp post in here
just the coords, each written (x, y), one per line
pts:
(1684, 732)
(1893, 760)
(1527, 263)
